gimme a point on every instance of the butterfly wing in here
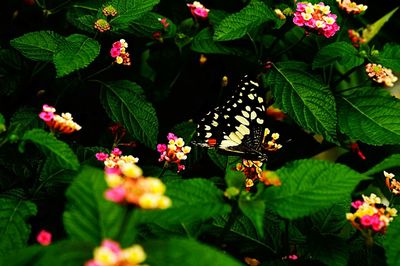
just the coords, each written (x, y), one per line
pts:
(237, 126)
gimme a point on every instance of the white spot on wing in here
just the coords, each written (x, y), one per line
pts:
(242, 120)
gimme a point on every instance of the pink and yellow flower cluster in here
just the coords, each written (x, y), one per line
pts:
(380, 74)
(58, 123)
(198, 10)
(110, 253)
(115, 159)
(118, 51)
(253, 172)
(355, 38)
(316, 17)
(175, 152)
(351, 7)
(371, 214)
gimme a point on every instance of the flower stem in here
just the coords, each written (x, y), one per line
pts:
(98, 72)
(344, 76)
(163, 170)
(290, 47)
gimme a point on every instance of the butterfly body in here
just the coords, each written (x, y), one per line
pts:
(236, 127)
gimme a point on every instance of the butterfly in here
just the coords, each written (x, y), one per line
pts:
(237, 127)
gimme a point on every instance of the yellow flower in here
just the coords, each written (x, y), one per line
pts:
(134, 254)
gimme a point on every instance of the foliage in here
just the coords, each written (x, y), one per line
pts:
(339, 130)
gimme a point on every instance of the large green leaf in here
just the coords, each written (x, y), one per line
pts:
(237, 25)
(193, 200)
(391, 243)
(38, 45)
(57, 148)
(389, 57)
(125, 103)
(304, 98)
(309, 186)
(203, 43)
(77, 52)
(89, 216)
(23, 119)
(145, 25)
(177, 251)
(129, 11)
(329, 249)
(254, 209)
(393, 161)
(14, 230)
(342, 52)
(371, 116)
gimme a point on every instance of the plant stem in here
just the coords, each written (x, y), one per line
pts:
(163, 170)
(254, 45)
(98, 72)
(85, 7)
(344, 76)
(355, 87)
(229, 223)
(59, 7)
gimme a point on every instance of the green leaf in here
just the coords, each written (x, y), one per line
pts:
(48, 143)
(218, 159)
(309, 186)
(203, 43)
(331, 220)
(254, 209)
(342, 52)
(389, 57)
(77, 52)
(177, 251)
(304, 98)
(372, 30)
(145, 25)
(2, 124)
(53, 177)
(391, 243)
(371, 116)
(24, 118)
(129, 11)
(237, 25)
(330, 249)
(23, 257)
(125, 103)
(393, 161)
(89, 216)
(193, 200)
(14, 229)
(38, 45)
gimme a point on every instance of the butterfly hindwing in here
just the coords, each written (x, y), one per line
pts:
(238, 125)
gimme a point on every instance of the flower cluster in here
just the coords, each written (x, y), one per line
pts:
(109, 11)
(392, 183)
(316, 17)
(371, 214)
(355, 38)
(115, 159)
(174, 152)
(44, 238)
(102, 25)
(58, 123)
(110, 253)
(351, 7)
(118, 51)
(271, 145)
(126, 184)
(251, 169)
(275, 113)
(380, 74)
(198, 10)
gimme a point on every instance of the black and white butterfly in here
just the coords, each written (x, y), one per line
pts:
(237, 127)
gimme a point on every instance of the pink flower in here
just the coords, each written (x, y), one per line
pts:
(366, 220)
(117, 45)
(115, 52)
(356, 204)
(161, 147)
(171, 136)
(198, 10)
(292, 257)
(116, 152)
(116, 194)
(111, 245)
(46, 116)
(101, 156)
(92, 263)
(201, 12)
(180, 167)
(44, 238)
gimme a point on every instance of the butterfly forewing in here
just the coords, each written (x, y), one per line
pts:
(238, 125)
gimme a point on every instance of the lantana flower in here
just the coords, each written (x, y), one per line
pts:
(102, 25)
(251, 169)
(109, 11)
(110, 253)
(392, 184)
(380, 74)
(351, 7)
(118, 51)
(174, 152)
(370, 215)
(271, 145)
(198, 10)
(58, 123)
(355, 38)
(115, 158)
(44, 238)
(316, 17)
